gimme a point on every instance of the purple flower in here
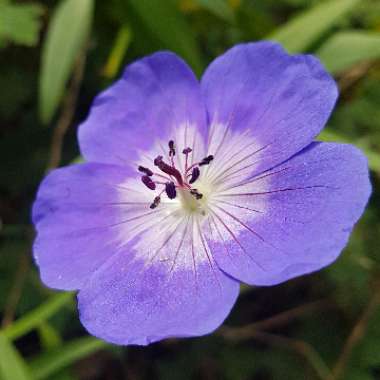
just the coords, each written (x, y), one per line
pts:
(190, 188)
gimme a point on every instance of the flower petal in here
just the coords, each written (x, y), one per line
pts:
(283, 101)
(293, 219)
(81, 219)
(134, 299)
(155, 95)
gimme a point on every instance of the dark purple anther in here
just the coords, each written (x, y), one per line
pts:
(194, 175)
(147, 181)
(155, 203)
(195, 193)
(187, 151)
(170, 190)
(206, 160)
(157, 160)
(171, 148)
(145, 170)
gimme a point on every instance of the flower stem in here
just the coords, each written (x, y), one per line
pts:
(35, 317)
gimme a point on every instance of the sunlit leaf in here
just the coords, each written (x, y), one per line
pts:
(19, 23)
(12, 365)
(168, 25)
(50, 363)
(345, 49)
(301, 31)
(68, 30)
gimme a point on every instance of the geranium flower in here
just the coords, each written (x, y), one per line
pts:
(191, 188)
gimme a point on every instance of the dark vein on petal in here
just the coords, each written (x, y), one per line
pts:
(193, 256)
(234, 237)
(222, 140)
(222, 239)
(247, 228)
(220, 175)
(150, 226)
(166, 241)
(185, 134)
(180, 245)
(210, 136)
(90, 229)
(203, 243)
(208, 256)
(255, 179)
(241, 222)
(237, 206)
(278, 191)
(122, 203)
(261, 159)
(215, 168)
(193, 147)
(135, 218)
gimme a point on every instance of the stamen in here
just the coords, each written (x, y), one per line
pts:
(155, 203)
(194, 175)
(145, 170)
(171, 148)
(196, 194)
(174, 181)
(186, 152)
(147, 181)
(170, 190)
(206, 160)
(158, 161)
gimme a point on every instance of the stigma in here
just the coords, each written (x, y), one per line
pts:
(171, 182)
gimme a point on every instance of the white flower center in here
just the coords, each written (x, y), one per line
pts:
(215, 207)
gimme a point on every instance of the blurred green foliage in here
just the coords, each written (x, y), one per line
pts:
(19, 23)
(41, 45)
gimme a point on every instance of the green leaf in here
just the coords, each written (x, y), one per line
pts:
(373, 157)
(345, 49)
(120, 46)
(12, 365)
(166, 23)
(47, 364)
(49, 336)
(67, 33)
(302, 31)
(34, 318)
(219, 8)
(19, 23)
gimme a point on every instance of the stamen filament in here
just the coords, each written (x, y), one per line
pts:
(174, 180)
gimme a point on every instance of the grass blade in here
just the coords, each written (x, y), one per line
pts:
(66, 35)
(38, 315)
(345, 49)
(12, 365)
(302, 31)
(55, 360)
